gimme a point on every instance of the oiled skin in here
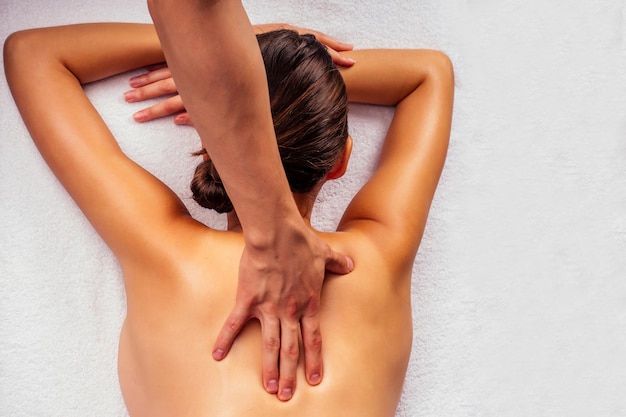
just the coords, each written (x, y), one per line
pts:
(180, 276)
(165, 358)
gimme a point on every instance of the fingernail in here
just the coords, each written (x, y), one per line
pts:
(218, 354)
(179, 120)
(350, 264)
(352, 61)
(139, 116)
(130, 96)
(285, 394)
(135, 81)
(315, 379)
(272, 386)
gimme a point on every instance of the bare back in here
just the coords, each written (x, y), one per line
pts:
(180, 276)
(165, 362)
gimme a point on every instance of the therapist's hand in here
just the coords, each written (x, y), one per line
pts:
(283, 265)
(280, 283)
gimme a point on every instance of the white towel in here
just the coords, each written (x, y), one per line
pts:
(519, 287)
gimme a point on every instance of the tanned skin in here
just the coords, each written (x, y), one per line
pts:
(181, 276)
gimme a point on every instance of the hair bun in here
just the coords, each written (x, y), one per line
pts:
(208, 189)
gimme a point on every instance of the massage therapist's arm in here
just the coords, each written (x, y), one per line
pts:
(213, 55)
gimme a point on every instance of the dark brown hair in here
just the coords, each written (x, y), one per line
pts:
(310, 111)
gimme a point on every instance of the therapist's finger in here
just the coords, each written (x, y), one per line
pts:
(312, 344)
(231, 328)
(289, 354)
(270, 336)
(338, 263)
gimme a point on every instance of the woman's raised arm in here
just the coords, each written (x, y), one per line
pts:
(45, 69)
(393, 205)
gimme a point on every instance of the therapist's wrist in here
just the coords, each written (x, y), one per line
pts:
(264, 231)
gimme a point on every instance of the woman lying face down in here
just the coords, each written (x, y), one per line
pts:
(181, 276)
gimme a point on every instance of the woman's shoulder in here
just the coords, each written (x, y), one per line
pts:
(186, 253)
(376, 268)
(197, 259)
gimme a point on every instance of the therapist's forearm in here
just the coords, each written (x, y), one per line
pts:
(227, 97)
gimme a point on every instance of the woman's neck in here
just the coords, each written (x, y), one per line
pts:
(304, 202)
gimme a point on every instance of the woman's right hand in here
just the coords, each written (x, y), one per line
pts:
(158, 81)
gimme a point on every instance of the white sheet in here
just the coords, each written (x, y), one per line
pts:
(520, 284)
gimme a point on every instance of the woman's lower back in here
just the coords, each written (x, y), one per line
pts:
(165, 363)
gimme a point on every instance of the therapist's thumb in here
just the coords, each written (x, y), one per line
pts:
(338, 263)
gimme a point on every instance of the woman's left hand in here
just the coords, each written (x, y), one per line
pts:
(333, 46)
(158, 81)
